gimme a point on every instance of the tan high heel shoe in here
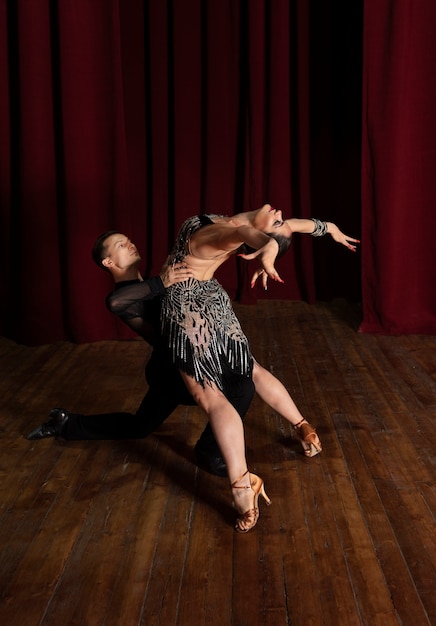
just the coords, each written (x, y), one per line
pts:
(308, 438)
(248, 520)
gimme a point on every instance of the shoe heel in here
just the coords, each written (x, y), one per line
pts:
(264, 495)
(308, 438)
(250, 517)
(314, 449)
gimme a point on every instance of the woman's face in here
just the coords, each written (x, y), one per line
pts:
(270, 220)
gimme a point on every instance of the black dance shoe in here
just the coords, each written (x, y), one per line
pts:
(52, 428)
(209, 458)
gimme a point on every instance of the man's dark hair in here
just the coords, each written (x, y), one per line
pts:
(99, 249)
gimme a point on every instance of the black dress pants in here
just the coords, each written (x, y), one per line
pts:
(166, 391)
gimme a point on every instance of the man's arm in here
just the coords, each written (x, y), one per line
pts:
(124, 298)
(123, 301)
(133, 303)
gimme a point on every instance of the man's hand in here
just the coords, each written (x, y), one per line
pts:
(177, 273)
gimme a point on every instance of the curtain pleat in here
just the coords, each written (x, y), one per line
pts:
(398, 162)
(135, 115)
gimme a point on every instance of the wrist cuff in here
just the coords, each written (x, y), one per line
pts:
(320, 229)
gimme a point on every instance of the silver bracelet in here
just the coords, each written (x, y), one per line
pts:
(320, 229)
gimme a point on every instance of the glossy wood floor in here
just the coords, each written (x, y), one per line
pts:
(132, 532)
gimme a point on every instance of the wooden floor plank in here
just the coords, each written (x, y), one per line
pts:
(206, 591)
(127, 533)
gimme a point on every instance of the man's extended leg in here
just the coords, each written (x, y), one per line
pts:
(166, 392)
(152, 412)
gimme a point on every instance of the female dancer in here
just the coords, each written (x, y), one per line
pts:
(206, 339)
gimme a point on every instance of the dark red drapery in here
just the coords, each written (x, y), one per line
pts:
(134, 115)
(398, 173)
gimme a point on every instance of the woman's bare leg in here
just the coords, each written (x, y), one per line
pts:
(228, 430)
(226, 424)
(275, 394)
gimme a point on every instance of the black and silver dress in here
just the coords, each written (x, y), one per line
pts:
(202, 331)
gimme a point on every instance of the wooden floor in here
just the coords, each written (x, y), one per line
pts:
(132, 532)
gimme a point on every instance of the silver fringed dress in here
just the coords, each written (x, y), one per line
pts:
(202, 331)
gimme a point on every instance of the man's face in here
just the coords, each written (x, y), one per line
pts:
(120, 252)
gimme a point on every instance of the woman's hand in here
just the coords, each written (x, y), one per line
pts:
(177, 273)
(257, 273)
(266, 255)
(340, 237)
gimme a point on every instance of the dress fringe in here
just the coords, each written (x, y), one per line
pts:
(204, 334)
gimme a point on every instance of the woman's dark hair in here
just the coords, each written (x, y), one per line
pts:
(283, 241)
(99, 249)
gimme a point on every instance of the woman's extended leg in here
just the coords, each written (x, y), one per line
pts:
(228, 430)
(275, 394)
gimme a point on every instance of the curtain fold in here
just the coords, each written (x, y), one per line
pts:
(398, 162)
(135, 115)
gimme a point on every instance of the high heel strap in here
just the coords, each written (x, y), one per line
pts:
(247, 520)
(308, 438)
(235, 486)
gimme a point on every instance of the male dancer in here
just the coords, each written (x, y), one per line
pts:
(137, 302)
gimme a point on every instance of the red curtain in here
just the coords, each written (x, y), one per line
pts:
(135, 115)
(398, 166)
